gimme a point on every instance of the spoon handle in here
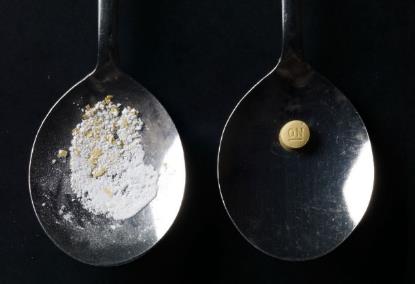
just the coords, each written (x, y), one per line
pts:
(292, 36)
(107, 32)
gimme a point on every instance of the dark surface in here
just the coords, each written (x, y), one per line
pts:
(198, 58)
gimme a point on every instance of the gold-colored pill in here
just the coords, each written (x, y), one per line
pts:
(294, 135)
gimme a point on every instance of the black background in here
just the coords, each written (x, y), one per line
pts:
(199, 58)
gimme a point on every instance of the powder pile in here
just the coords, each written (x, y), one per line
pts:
(108, 172)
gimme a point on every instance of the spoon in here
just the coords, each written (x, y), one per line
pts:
(295, 164)
(90, 238)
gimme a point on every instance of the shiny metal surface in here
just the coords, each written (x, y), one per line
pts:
(90, 238)
(295, 205)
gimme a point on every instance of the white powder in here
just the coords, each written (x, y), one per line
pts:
(108, 173)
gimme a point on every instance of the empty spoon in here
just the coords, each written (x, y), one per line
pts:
(90, 238)
(295, 165)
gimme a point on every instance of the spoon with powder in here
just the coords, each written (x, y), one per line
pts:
(295, 165)
(107, 170)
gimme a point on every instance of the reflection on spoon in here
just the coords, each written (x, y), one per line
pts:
(357, 188)
(171, 183)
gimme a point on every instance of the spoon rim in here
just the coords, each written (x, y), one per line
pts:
(372, 182)
(97, 69)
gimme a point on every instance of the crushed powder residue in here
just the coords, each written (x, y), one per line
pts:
(108, 172)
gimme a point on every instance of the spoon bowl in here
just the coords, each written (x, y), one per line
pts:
(96, 239)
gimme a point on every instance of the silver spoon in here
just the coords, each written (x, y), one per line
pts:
(293, 196)
(90, 238)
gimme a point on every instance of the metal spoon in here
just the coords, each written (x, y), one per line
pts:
(295, 203)
(90, 238)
